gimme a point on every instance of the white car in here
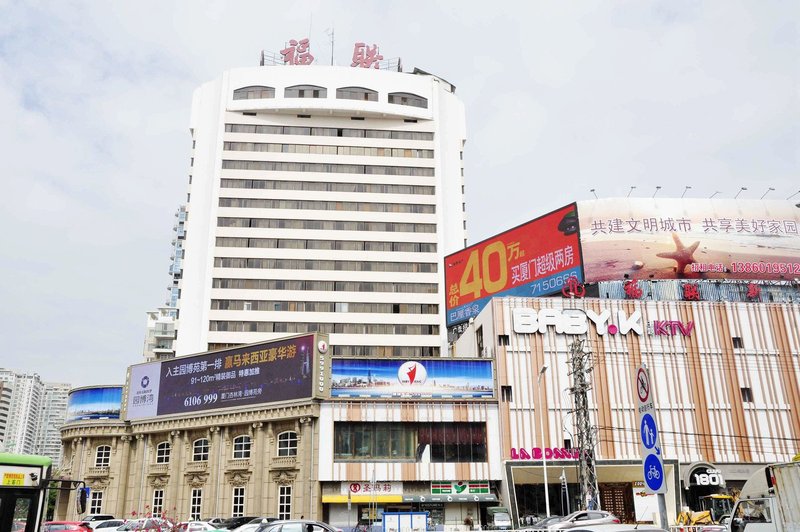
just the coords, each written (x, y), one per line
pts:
(107, 524)
(584, 518)
(613, 527)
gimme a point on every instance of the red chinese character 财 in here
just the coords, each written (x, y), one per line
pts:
(632, 290)
(365, 57)
(691, 292)
(297, 53)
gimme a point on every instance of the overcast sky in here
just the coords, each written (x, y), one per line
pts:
(561, 97)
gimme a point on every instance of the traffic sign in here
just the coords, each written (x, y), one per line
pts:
(652, 460)
(643, 385)
(649, 431)
(653, 473)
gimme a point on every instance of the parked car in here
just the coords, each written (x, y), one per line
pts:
(194, 526)
(542, 524)
(91, 518)
(216, 521)
(53, 526)
(297, 525)
(584, 518)
(149, 524)
(611, 527)
(109, 524)
(235, 522)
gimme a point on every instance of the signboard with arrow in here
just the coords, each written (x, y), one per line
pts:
(649, 443)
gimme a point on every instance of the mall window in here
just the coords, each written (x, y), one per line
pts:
(241, 447)
(507, 393)
(406, 98)
(357, 93)
(410, 442)
(284, 502)
(305, 91)
(737, 342)
(287, 443)
(163, 450)
(747, 395)
(256, 92)
(200, 450)
(103, 456)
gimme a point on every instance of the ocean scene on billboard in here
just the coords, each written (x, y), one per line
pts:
(94, 403)
(388, 378)
(648, 238)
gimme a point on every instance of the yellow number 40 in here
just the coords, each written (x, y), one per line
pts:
(477, 274)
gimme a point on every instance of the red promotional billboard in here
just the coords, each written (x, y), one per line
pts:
(531, 260)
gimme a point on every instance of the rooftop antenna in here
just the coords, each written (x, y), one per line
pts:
(329, 31)
(714, 194)
(631, 190)
(793, 195)
(658, 187)
(684, 190)
(593, 192)
(740, 191)
(770, 189)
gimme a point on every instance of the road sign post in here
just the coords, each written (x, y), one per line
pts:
(653, 473)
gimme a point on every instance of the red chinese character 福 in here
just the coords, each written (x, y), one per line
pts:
(691, 292)
(364, 56)
(297, 53)
(632, 290)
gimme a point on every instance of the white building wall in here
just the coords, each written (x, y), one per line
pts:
(213, 107)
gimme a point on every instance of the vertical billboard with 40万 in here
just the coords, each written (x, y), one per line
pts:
(531, 260)
(282, 370)
(649, 238)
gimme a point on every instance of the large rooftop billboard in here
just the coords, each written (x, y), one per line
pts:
(94, 402)
(647, 238)
(531, 260)
(292, 368)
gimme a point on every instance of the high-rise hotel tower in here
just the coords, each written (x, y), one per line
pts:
(322, 199)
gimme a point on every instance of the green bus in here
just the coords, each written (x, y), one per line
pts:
(24, 480)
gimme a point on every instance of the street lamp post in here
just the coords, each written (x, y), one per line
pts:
(544, 446)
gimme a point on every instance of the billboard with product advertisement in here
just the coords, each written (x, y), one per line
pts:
(531, 260)
(292, 368)
(94, 402)
(403, 378)
(649, 238)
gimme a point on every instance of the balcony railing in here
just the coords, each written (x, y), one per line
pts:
(95, 472)
(284, 462)
(196, 467)
(239, 464)
(159, 469)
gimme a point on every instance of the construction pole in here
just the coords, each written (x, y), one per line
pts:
(580, 367)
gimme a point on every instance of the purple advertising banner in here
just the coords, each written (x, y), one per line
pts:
(263, 373)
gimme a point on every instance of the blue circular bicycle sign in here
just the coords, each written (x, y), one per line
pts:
(653, 472)
(649, 431)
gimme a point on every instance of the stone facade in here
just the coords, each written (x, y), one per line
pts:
(135, 473)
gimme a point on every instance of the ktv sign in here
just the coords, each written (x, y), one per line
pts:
(574, 321)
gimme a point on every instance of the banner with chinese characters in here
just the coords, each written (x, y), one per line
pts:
(534, 259)
(366, 488)
(649, 238)
(459, 487)
(281, 370)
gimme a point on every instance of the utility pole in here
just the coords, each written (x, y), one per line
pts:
(580, 367)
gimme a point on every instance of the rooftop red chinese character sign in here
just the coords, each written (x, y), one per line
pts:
(365, 57)
(297, 53)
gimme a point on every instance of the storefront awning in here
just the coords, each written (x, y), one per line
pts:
(362, 498)
(476, 497)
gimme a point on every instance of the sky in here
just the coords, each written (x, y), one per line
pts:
(560, 97)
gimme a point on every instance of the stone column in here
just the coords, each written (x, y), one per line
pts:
(215, 463)
(124, 471)
(175, 469)
(253, 503)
